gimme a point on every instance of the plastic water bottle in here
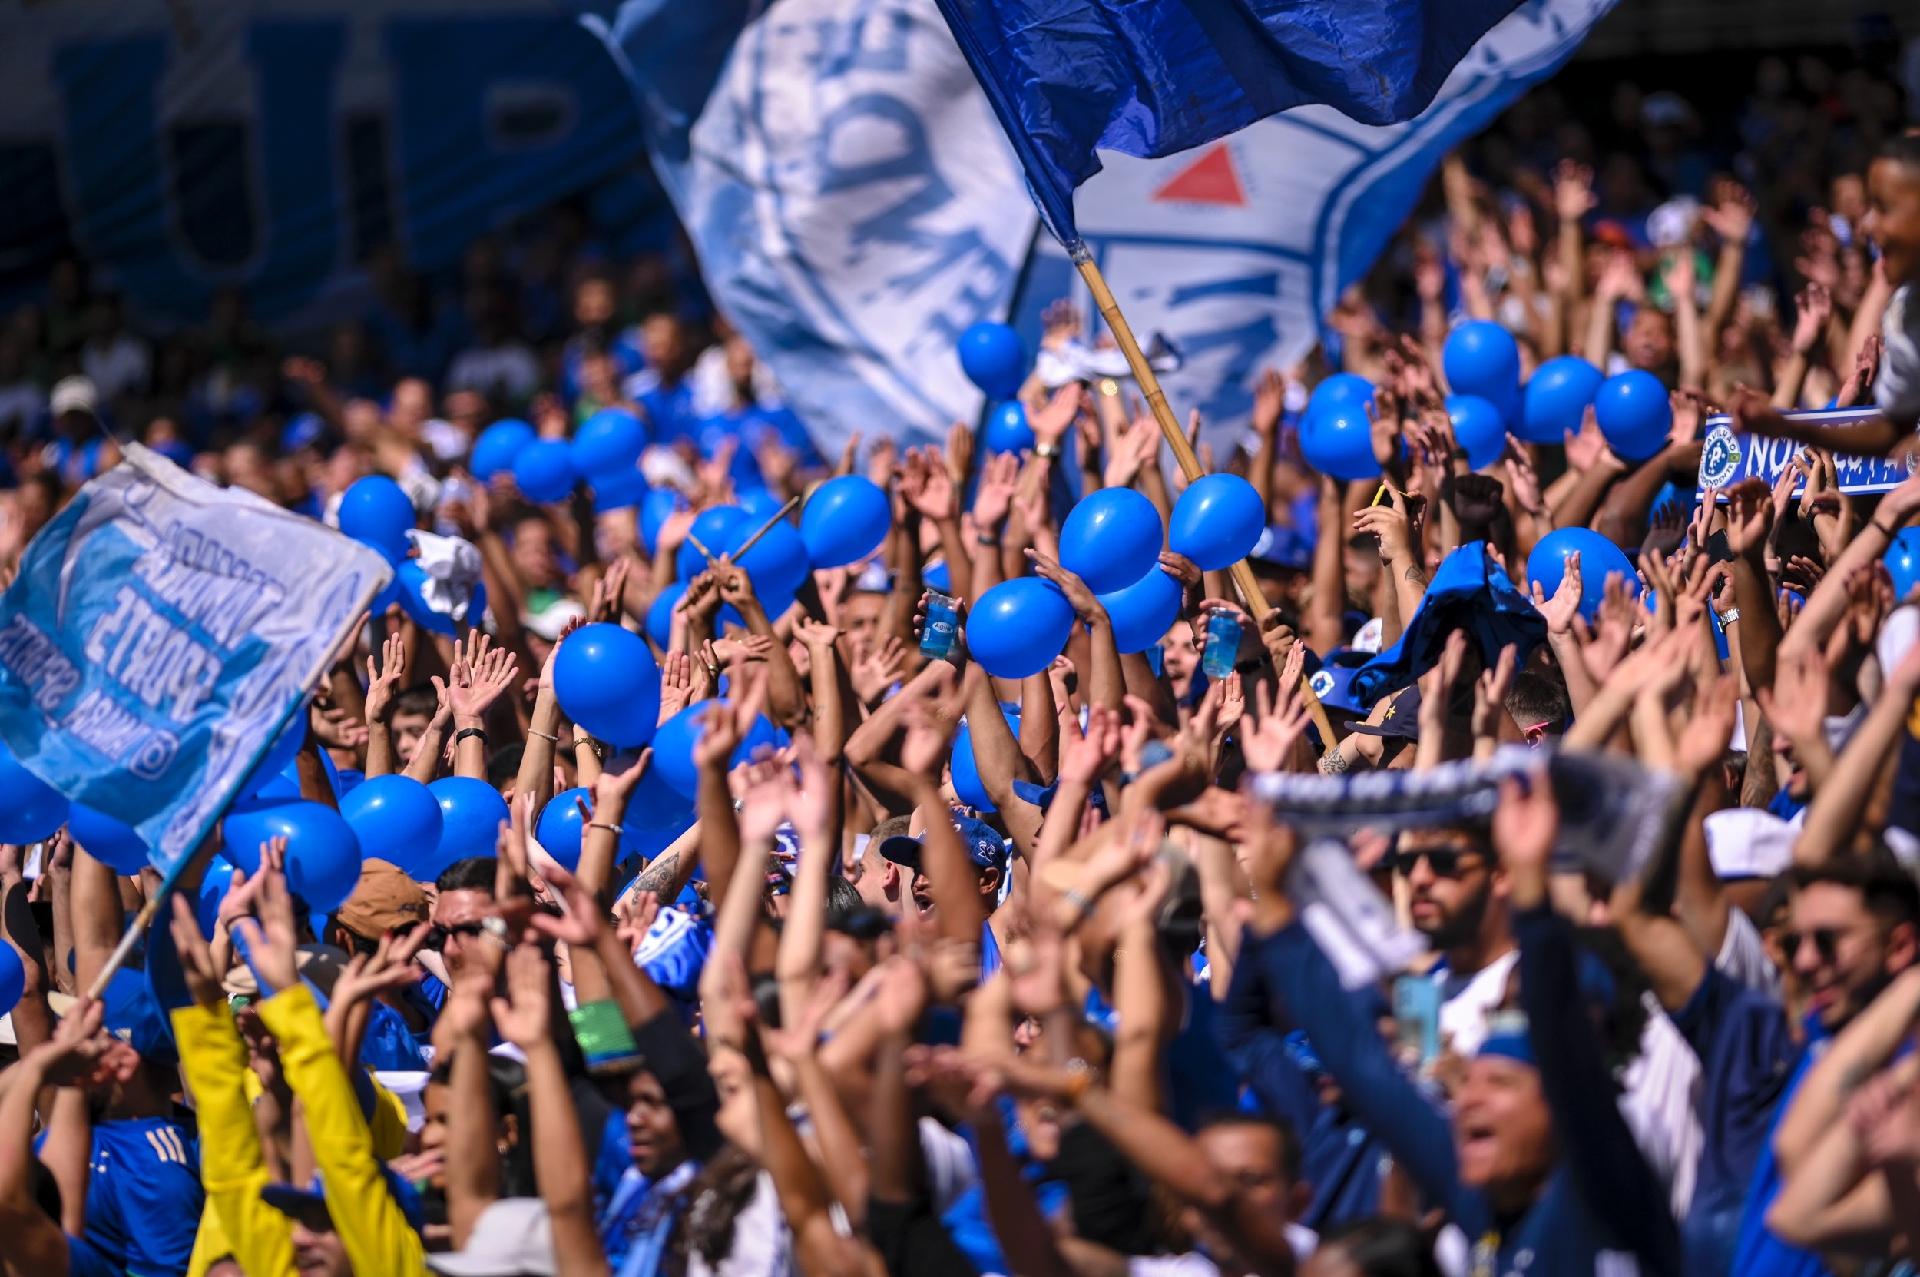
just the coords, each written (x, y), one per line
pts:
(937, 637)
(1222, 651)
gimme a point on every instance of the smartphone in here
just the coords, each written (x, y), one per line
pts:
(1222, 651)
(1416, 1017)
(941, 630)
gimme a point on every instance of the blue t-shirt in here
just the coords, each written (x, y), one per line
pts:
(84, 1259)
(143, 1195)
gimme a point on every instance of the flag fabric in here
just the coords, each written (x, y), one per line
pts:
(1730, 457)
(855, 205)
(1469, 592)
(1154, 77)
(160, 633)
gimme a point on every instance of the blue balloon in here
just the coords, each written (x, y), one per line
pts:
(718, 529)
(1556, 400)
(660, 613)
(1342, 389)
(279, 755)
(113, 843)
(1007, 429)
(1634, 413)
(1216, 521)
(348, 779)
(967, 785)
(13, 978)
(656, 805)
(1478, 428)
(412, 580)
(619, 490)
(1018, 627)
(1338, 440)
(213, 889)
(673, 747)
(471, 812)
(394, 817)
(559, 827)
(544, 471)
(759, 503)
(844, 521)
(1481, 358)
(994, 359)
(323, 855)
(1111, 539)
(1143, 612)
(1599, 558)
(30, 809)
(655, 507)
(494, 451)
(607, 681)
(375, 511)
(608, 442)
(776, 565)
(1903, 562)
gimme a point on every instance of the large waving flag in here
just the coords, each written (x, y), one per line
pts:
(855, 204)
(158, 637)
(1154, 77)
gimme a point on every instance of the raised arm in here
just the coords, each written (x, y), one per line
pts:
(1836, 812)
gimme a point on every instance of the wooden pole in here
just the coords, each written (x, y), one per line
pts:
(1182, 448)
(764, 528)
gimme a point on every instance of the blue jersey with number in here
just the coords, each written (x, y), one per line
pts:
(144, 1195)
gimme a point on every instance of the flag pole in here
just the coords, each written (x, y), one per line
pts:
(1177, 440)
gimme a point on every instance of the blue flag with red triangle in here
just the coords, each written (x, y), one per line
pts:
(1151, 77)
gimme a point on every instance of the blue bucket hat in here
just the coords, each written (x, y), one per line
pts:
(985, 848)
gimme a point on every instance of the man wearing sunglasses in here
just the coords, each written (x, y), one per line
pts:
(1457, 898)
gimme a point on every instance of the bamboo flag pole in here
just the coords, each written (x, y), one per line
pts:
(1177, 440)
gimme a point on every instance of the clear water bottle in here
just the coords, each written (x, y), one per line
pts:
(1222, 651)
(942, 628)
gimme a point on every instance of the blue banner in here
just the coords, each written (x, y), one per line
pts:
(1155, 77)
(277, 147)
(1730, 457)
(159, 634)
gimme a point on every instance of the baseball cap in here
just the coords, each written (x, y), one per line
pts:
(1402, 718)
(985, 848)
(550, 620)
(75, 394)
(1283, 547)
(384, 900)
(134, 1015)
(512, 1236)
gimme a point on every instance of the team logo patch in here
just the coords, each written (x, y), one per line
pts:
(1720, 458)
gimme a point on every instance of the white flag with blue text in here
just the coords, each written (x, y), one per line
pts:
(855, 205)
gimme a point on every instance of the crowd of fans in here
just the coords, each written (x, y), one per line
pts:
(1057, 1001)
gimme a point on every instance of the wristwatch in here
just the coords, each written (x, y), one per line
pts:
(1048, 450)
(1729, 616)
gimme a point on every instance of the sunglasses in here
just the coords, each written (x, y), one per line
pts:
(1446, 862)
(438, 935)
(1825, 941)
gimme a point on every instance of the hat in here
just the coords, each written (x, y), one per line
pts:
(75, 394)
(1745, 842)
(1283, 547)
(1402, 718)
(512, 1236)
(553, 618)
(309, 1205)
(319, 965)
(985, 848)
(1332, 684)
(384, 900)
(1671, 224)
(134, 1015)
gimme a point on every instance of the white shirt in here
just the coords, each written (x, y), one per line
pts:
(1465, 1003)
(761, 1246)
(1896, 392)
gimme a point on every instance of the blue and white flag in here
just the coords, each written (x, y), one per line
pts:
(1239, 250)
(159, 635)
(856, 206)
(1155, 77)
(1730, 457)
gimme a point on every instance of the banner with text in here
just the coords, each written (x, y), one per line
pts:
(159, 634)
(1730, 457)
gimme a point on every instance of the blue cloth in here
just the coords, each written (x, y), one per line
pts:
(1158, 76)
(84, 1259)
(1749, 1065)
(144, 1195)
(1470, 592)
(1784, 805)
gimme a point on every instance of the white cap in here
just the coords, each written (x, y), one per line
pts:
(512, 1236)
(75, 394)
(1671, 224)
(1745, 842)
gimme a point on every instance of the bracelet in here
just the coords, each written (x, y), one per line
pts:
(1883, 529)
(1729, 616)
(985, 539)
(1082, 906)
(601, 824)
(535, 731)
(1048, 450)
(465, 732)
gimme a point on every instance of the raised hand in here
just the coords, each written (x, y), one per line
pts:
(609, 590)
(480, 675)
(1282, 720)
(1490, 695)
(268, 932)
(1522, 479)
(202, 974)
(1525, 826)
(1749, 516)
(1269, 402)
(993, 496)
(524, 1016)
(1135, 446)
(1703, 741)
(1390, 524)
(927, 486)
(385, 678)
(1089, 754)
(1560, 610)
(1051, 422)
(876, 672)
(1085, 606)
(676, 684)
(388, 968)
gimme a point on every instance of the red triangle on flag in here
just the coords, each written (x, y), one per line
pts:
(1211, 179)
